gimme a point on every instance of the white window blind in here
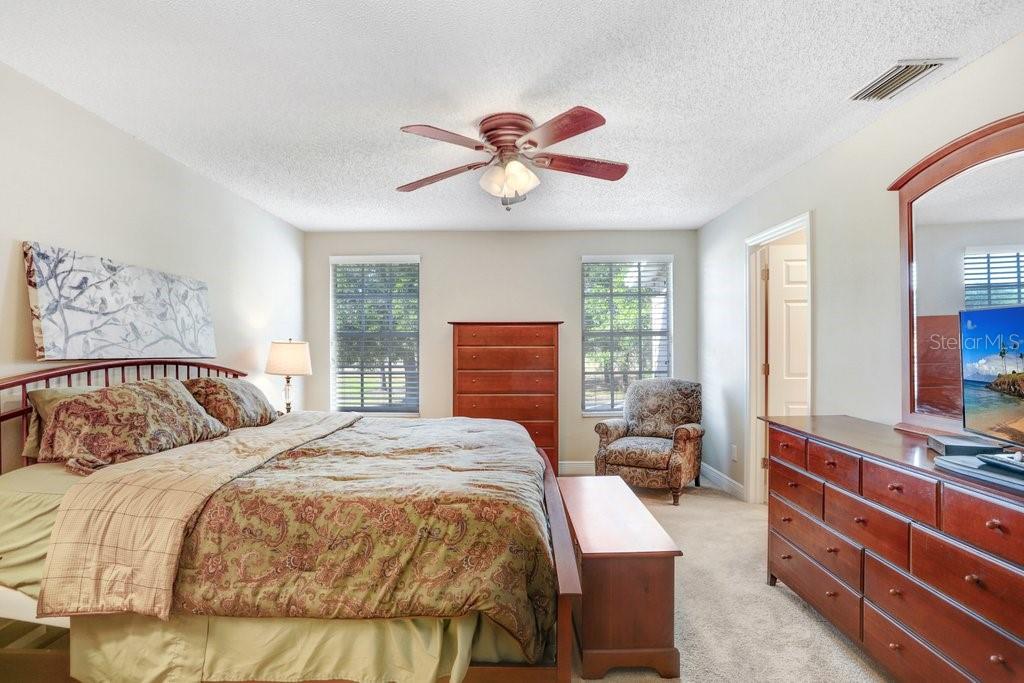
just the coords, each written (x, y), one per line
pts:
(376, 334)
(993, 279)
(627, 326)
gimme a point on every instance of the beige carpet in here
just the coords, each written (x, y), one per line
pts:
(730, 625)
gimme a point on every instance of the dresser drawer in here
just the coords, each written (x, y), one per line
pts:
(542, 433)
(908, 658)
(824, 592)
(910, 494)
(503, 358)
(831, 464)
(788, 447)
(517, 408)
(868, 524)
(505, 335)
(993, 589)
(990, 524)
(795, 486)
(505, 382)
(832, 551)
(982, 650)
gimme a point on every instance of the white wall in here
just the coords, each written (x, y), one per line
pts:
(939, 259)
(70, 179)
(855, 254)
(500, 276)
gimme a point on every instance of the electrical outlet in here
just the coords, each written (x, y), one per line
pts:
(735, 452)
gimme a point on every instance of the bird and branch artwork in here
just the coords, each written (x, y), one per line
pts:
(92, 307)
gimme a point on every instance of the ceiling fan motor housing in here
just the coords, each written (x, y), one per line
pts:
(502, 130)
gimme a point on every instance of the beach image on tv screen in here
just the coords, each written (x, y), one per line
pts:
(992, 353)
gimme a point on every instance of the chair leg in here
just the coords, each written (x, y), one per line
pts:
(675, 498)
(696, 481)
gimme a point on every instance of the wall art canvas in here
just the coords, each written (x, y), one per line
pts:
(93, 307)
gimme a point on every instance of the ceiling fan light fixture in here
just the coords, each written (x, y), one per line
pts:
(512, 179)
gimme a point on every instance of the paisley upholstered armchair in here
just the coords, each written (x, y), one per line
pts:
(656, 442)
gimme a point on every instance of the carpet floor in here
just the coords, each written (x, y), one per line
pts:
(730, 625)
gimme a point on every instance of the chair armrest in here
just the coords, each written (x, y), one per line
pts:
(687, 432)
(610, 430)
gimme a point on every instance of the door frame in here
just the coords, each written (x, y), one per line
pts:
(755, 343)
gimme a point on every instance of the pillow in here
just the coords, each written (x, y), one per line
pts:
(42, 402)
(235, 402)
(123, 422)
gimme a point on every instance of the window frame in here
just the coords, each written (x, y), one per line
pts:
(668, 259)
(363, 259)
(1005, 250)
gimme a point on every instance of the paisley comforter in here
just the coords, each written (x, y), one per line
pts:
(383, 518)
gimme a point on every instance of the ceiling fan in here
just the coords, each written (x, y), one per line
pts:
(513, 142)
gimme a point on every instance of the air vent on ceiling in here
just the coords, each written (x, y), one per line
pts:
(898, 78)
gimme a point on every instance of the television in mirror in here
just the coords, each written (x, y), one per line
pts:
(992, 371)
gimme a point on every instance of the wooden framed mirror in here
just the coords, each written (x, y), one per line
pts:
(961, 247)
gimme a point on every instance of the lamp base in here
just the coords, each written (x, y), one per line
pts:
(287, 394)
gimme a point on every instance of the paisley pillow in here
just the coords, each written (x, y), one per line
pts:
(123, 422)
(42, 402)
(235, 402)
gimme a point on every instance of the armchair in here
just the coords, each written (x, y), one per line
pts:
(657, 441)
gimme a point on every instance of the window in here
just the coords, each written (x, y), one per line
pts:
(375, 309)
(993, 279)
(627, 326)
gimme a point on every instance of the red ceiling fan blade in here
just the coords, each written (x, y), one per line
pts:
(435, 133)
(595, 168)
(423, 182)
(566, 125)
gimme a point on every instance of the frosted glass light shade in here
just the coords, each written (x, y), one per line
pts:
(493, 180)
(509, 180)
(289, 358)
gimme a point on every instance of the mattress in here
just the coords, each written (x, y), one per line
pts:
(29, 498)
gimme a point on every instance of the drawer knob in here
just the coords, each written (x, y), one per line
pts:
(474, 381)
(474, 334)
(784, 446)
(831, 463)
(993, 524)
(895, 646)
(830, 549)
(536, 381)
(474, 355)
(473, 405)
(787, 519)
(536, 355)
(536, 405)
(787, 557)
(830, 594)
(895, 487)
(996, 659)
(860, 520)
(972, 578)
(792, 484)
(895, 591)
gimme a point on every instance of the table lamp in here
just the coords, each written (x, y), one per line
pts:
(291, 359)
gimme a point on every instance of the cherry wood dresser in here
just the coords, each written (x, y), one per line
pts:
(921, 568)
(509, 370)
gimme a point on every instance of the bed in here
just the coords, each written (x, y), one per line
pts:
(512, 625)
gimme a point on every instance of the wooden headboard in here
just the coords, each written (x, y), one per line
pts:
(99, 374)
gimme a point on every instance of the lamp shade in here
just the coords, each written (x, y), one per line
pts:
(289, 358)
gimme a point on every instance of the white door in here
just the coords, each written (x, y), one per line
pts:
(789, 334)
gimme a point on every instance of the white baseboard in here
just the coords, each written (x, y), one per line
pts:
(720, 480)
(575, 468)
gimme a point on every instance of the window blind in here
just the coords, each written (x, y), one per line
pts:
(627, 323)
(376, 336)
(993, 279)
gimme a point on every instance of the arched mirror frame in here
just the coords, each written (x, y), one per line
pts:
(997, 139)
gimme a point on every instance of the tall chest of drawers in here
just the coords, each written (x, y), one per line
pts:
(509, 371)
(923, 569)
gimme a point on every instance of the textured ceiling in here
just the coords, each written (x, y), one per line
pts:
(990, 192)
(297, 105)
